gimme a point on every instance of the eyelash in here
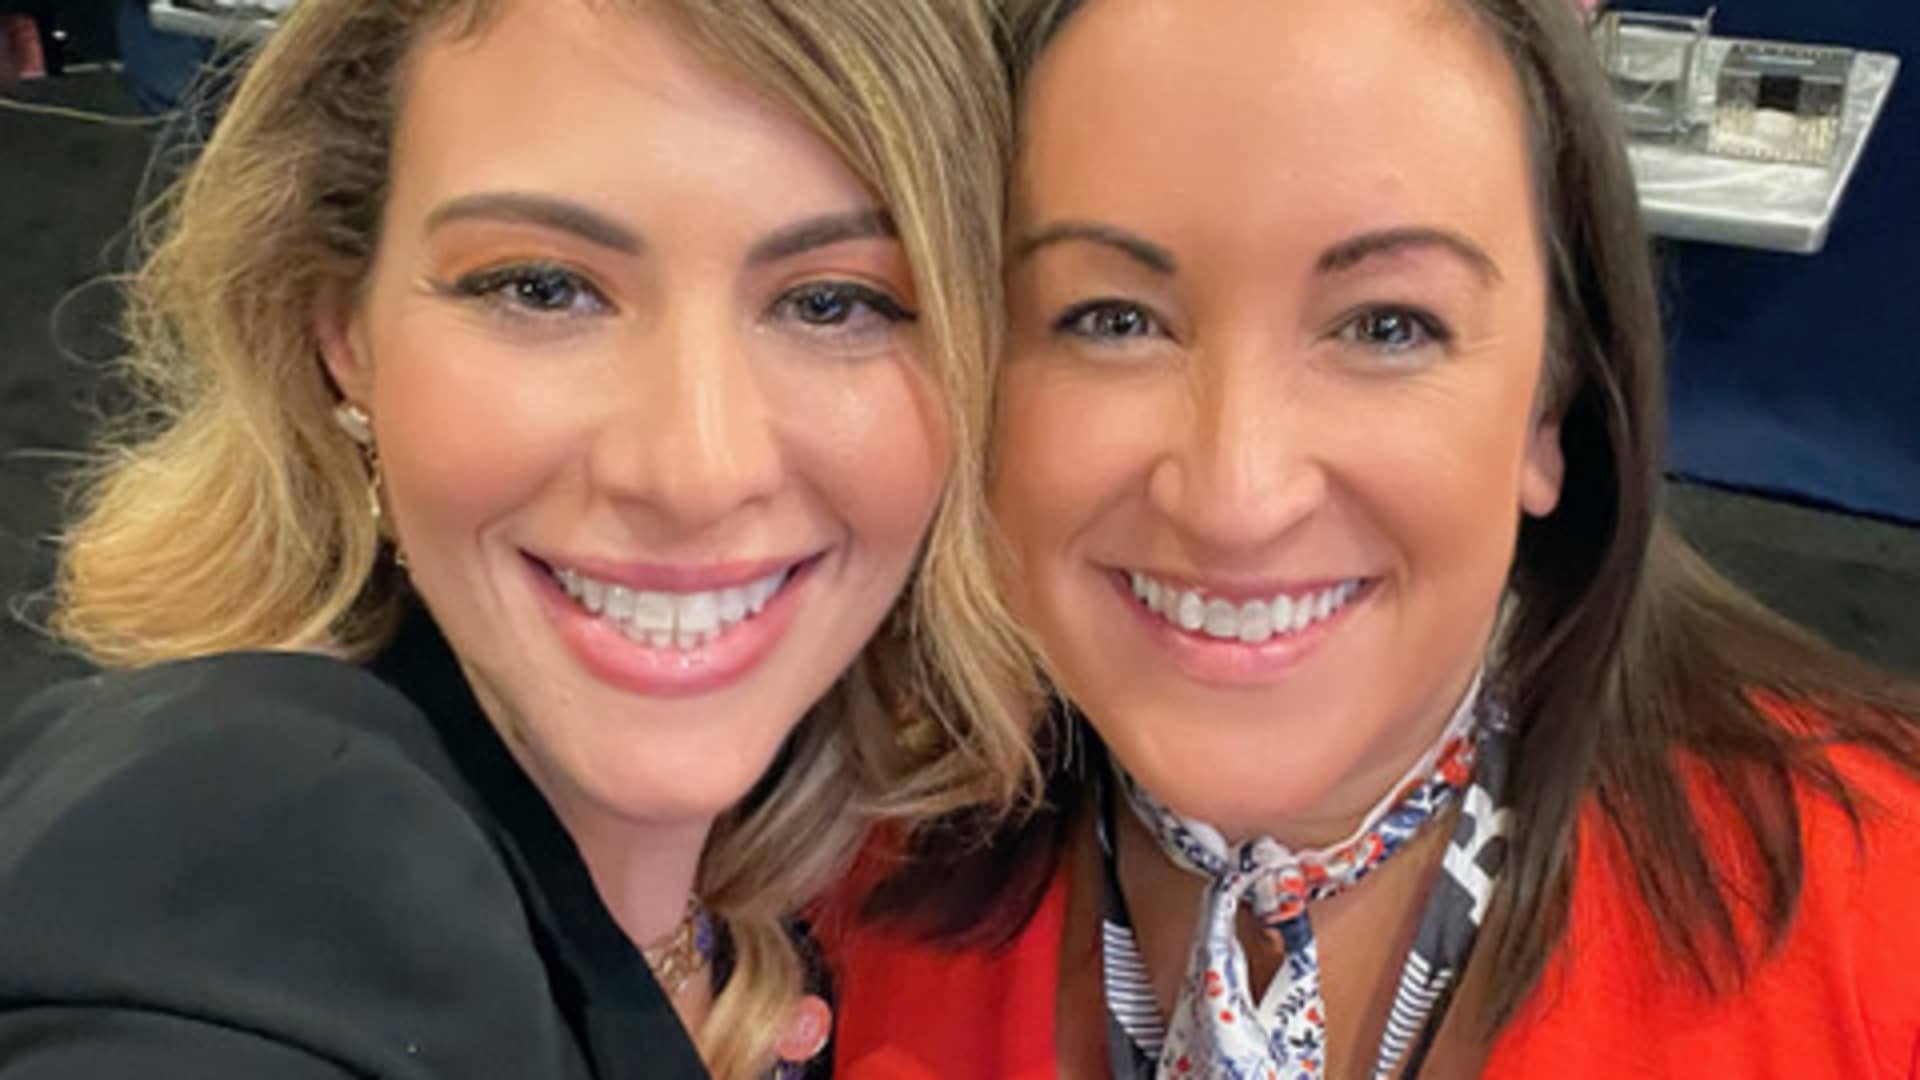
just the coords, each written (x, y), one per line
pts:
(1429, 329)
(1083, 321)
(1077, 321)
(505, 288)
(848, 296)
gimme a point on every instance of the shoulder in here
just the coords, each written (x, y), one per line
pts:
(1861, 883)
(1834, 998)
(254, 700)
(909, 1009)
(192, 744)
(1860, 852)
(217, 743)
(249, 840)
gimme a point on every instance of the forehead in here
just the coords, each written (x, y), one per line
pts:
(594, 100)
(1347, 114)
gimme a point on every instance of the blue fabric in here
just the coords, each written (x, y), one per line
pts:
(1799, 375)
(159, 66)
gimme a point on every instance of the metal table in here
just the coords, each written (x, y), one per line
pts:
(178, 20)
(1689, 195)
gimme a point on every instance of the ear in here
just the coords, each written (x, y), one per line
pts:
(340, 331)
(1544, 469)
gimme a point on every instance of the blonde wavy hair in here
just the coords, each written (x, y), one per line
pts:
(227, 512)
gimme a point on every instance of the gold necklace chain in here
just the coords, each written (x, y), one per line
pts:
(683, 952)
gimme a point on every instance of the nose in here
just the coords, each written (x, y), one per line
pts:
(1244, 467)
(691, 440)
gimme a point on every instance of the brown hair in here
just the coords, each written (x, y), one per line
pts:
(228, 513)
(1626, 661)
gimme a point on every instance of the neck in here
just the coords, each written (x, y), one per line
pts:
(1362, 937)
(644, 873)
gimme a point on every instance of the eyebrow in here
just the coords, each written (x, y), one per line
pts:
(822, 231)
(1347, 254)
(1143, 251)
(542, 210)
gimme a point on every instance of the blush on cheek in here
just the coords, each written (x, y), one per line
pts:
(1059, 480)
(881, 444)
(465, 437)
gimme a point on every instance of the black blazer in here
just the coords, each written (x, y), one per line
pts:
(280, 865)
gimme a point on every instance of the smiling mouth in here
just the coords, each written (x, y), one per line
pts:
(672, 620)
(1253, 622)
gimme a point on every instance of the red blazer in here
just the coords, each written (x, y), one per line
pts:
(1839, 1000)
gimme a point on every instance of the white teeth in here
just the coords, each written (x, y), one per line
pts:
(1282, 615)
(619, 603)
(1256, 622)
(759, 592)
(666, 620)
(1192, 612)
(1303, 614)
(1223, 619)
(699, 613)
(1252, 622)
(652, 612)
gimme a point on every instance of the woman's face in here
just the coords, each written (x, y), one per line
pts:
(648, 395)
(1269, 416)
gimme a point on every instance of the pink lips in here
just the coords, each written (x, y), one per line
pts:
(640, 668)
(1231, 663)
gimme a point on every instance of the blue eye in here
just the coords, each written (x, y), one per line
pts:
(841, 306)
(534, 289)
(1395, 330)
(1109, 320)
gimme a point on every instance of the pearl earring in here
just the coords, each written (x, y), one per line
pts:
(354, 420)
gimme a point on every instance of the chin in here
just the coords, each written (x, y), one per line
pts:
(647, 793)
(1234, 772)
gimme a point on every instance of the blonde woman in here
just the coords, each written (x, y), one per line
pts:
(547, 401)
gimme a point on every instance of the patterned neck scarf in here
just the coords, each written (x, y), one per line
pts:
(1218, 1029)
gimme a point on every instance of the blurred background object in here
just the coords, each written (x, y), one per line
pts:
(1793, 376)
